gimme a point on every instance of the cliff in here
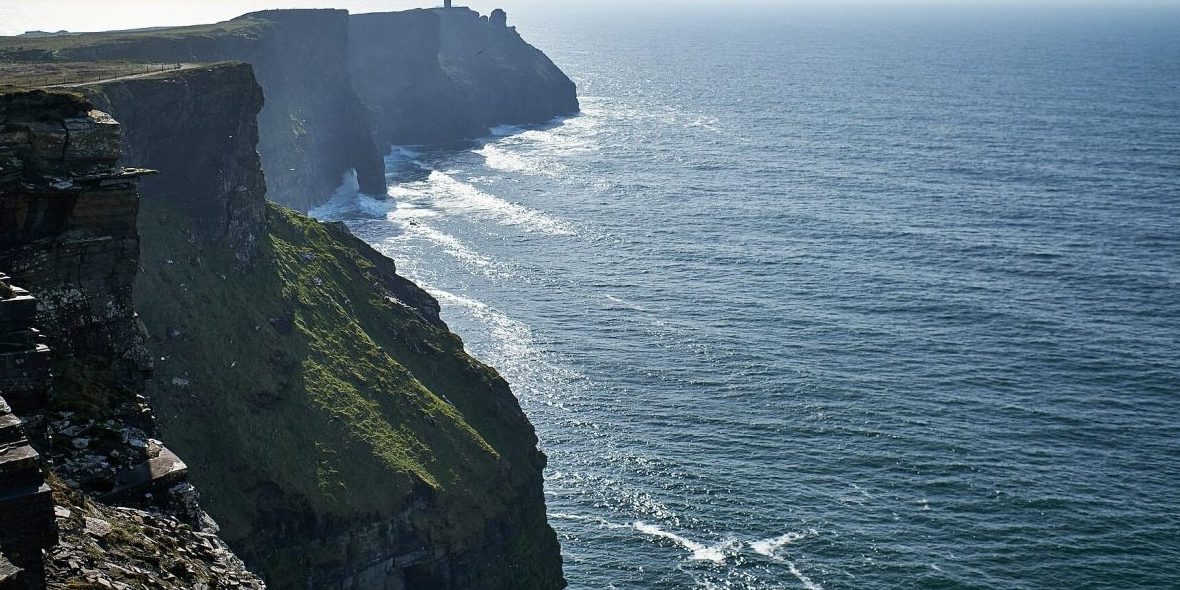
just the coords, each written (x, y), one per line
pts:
(313, 126)
(72, 368)
(339, 433)
(339, 89)
(439, 76)
(67, 225)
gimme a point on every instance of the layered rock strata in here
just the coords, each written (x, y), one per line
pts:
(67, 226)
(26, 507)
(341, 434)
(67, 230)
(26, 502)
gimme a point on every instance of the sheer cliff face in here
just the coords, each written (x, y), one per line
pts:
(440, 76)
(340, 90)
(73, 242)
(68, 231)
(221, 161)
(313, 128)
(338, 431)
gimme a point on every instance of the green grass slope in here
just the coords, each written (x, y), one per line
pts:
(51, 47)
(318, 389)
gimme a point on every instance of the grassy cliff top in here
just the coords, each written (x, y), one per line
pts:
(25, 75)
(44, 48)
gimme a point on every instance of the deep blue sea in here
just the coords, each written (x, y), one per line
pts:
(876, 299)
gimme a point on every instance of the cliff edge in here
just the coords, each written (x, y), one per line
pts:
(88, 496)
(338, 431)
(340, 89)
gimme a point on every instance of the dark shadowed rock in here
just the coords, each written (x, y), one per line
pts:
(340, 89)
(68, 219)
(442, 76)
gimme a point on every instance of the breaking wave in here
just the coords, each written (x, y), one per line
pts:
(715, 553)
(442, 191)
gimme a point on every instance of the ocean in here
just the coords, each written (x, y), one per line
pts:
(812, 298)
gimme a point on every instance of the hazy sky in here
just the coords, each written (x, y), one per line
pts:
(18, 16)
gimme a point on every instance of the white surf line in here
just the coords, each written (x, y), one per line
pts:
(624, 303)
(450, 244)
(807, 582)
(503, 160)
(591, 519)
(769, 547)
(461, 196)
(715, 554)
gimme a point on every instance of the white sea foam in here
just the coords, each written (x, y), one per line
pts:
(706, 122)
(625, 303)
(450, 244)
(332, 210)
(564, 136)
(807, 582)
(374, 207)
(400, 156)
(497, 158)
(403, 153)
(445, 192)
(347, 198)
(502, 130)
(343, 199)
(407, 206)
(456, 299)
(590, 519)
(700, 552)
(514, 340)
(769, 547)
(573, 136)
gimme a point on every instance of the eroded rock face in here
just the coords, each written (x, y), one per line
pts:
(338, 428)
(68, 216)
(67, 225)
(209, 171)
(26, 503)
(313, 128)
(126, 548)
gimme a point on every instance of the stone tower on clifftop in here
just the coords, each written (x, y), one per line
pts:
(499, 18)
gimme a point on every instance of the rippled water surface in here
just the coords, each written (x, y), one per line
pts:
(816, 300)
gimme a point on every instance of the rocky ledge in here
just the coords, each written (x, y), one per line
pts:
(76, 433)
